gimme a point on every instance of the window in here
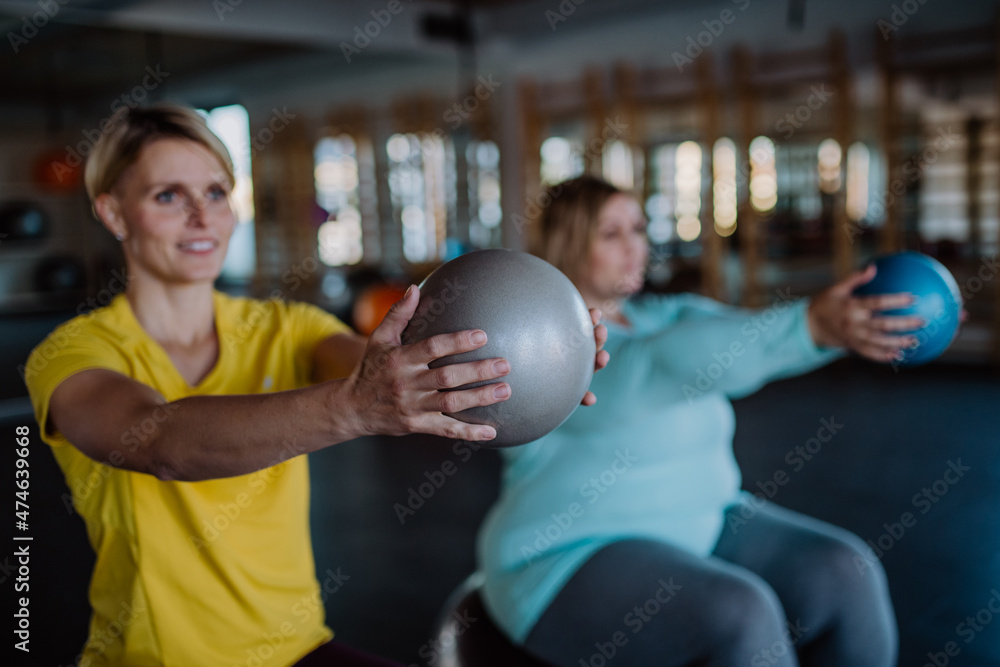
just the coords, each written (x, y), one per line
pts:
(562, 159)
(337, 179)
(485, 214)
(804, 172)
(422, 192)
(232, 125)
(942, 175)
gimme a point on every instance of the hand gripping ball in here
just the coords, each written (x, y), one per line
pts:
(938, 300)
(533, 316)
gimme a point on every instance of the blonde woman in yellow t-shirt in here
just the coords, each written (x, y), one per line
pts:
(179, 415)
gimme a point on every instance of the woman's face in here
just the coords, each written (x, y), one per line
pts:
(617, 263)
(172, 206)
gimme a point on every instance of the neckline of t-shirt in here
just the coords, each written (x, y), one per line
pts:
(219, 332)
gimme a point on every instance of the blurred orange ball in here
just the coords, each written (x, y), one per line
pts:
(373, 304)
(53, 170)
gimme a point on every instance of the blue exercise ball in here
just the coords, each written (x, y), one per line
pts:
(938, 300)
(533, 316)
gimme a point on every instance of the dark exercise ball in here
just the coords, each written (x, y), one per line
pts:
(60, 273)
(938, 300)
(22, 221)
(533, 316)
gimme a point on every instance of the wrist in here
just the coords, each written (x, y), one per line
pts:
(816, 329)
(339, 410)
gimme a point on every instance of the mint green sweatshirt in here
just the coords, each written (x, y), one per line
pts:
(652, 459)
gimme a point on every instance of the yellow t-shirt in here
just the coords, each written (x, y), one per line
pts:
(217, 572)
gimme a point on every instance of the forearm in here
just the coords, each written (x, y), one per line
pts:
(732, 355)
(208, 437)
(744, 354)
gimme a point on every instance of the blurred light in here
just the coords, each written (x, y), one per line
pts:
(724, 196)
(724, 231)
(762, 150)
(555, 149)
(687, 183)
(412, 216)
(421, 166)
(339, 240)
(660, 230)
(658, 206)
(487, 154)
(336, 181)
(858, 163)
(489, 188)
(485, 212)
(232, 125)
(763, 175)
(689, 152)
(490, 214)
(561, 159)
(333, 285)
(688, 228)
(398, 147)
(829, 156)
(617, 165)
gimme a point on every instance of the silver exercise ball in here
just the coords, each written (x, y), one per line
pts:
(533, 316)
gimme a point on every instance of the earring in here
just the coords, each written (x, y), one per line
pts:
(120, 237)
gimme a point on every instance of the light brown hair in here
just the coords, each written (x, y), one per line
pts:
(568, 223)
(132, 129)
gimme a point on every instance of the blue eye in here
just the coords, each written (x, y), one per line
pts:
(166, 197)
(216, 193)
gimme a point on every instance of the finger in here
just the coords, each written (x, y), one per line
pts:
(444, 345)
(880, 354)
(888, 342)
(450, 402)
(881, 302)
(596, 315)
(449, 427)
(963, 316)
(457, 375)
(600, 336)
(589, 398)
(856, 279)
(886, 350)
(391, 327)
(897, 323)
(602, 359)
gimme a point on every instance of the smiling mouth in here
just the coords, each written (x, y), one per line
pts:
(198, 246)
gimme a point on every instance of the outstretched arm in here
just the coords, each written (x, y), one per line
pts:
(115, 419)
(707, 347)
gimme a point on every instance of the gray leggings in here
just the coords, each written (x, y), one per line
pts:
(780, 589)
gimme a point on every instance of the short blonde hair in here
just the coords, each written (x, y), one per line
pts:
(132, 129)
(568, 222)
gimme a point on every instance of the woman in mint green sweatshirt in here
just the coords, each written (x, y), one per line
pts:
(622, 537)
